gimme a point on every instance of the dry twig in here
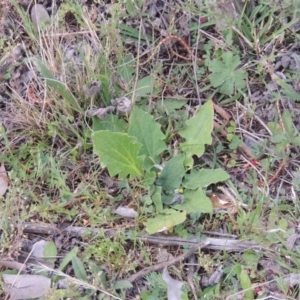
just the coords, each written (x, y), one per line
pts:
(230, 245)
(222, 112)
(167, 263)
(191, 271)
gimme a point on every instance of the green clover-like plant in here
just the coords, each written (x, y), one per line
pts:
(225, 74)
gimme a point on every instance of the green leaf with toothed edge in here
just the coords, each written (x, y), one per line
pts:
(226, 74)
(148, 133)
(119, 152)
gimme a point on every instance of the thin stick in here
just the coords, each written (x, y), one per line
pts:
(167, 263)
(133, 98)
(222, 112)
(191, 271)
(228, 244)
(282, 164)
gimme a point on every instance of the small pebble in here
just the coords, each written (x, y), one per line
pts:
(39, 15)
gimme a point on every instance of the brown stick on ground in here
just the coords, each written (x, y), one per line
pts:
(167, 263)
(283, 163)
(222, 112)
(228, 244)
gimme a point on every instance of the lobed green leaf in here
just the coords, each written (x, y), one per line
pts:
(226, 75)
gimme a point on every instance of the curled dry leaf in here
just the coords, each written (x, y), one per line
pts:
(93, 90)
(221, 202)
(4, 181)
(122, 104)
(100, 112)
(225, 201)
(126, 212)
